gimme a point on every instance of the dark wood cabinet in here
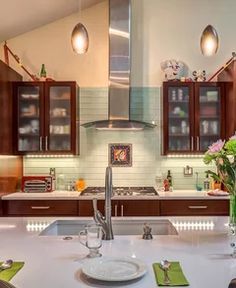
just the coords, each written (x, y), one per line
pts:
(194, 208)
(228, 74)
(7, 76)
(41, 207)
(46, 117)
(122, 208)
(1, 208)
(126, 208)
(85, 207)
(194, 115)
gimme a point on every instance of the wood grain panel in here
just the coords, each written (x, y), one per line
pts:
(195, 208)
(7, 75)
(11, 171)
(41, 207)
(139, 208)
(1, 208)
(86, 207)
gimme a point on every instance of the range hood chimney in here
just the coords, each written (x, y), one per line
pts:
(119, 71)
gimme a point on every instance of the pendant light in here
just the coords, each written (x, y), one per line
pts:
(80, 38)
(209, 41)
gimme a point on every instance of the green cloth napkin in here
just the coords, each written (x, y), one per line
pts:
(7, 274)
(175, 274)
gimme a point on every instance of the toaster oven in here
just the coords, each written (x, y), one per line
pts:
(37, 184)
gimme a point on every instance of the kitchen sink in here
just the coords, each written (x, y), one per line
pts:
(120, 227)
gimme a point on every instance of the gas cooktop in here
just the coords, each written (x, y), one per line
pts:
(121, 191)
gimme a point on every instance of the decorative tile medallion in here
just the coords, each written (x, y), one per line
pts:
(120, 155)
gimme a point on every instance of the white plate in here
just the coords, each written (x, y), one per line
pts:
(114, 269)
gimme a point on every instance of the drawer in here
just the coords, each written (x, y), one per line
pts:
(194, 207)
(86, 207)
(138, 208)
(1, 208)
(41, 208)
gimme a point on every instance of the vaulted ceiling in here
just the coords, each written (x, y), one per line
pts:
(20, 16)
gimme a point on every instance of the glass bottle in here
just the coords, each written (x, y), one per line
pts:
(206, 183)
(61, 182)
(43, 73)
(169, 178)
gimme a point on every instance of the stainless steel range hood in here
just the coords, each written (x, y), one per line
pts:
(119, 72)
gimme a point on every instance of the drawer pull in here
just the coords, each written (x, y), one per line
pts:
(122, 210)
(197, 207)
(40, 207)
(115, 210)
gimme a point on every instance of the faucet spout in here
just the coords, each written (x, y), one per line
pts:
(98, 217)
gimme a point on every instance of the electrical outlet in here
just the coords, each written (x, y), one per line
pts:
(188, 171)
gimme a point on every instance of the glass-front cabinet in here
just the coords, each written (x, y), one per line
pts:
(210, 118)
(46, 117)
(193, 116)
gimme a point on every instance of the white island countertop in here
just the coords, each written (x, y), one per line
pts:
(73, 195)
(202, 247)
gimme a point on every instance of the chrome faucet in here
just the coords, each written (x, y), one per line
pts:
(98, 217)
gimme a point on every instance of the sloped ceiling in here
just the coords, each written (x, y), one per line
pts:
(18, 17)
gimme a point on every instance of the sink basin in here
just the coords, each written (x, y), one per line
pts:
(120, 227)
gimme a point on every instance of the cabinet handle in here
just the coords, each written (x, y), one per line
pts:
(40, 143)
(115, 210)
(40, 207)
(192, 143)
(122, 210)
(197, 207)
(198, 144)
(46, 143)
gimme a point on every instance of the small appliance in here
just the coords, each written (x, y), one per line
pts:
(37, 184)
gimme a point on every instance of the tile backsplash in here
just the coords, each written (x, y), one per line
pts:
(147, 159)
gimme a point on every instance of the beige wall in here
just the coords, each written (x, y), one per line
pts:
(161, 30)
(172, 29)
(50, 45)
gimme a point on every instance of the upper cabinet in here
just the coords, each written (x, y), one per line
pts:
(46, 117)
(7, 75)
(194, 115)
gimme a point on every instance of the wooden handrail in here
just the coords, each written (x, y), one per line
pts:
(6, 55)
(223, 67)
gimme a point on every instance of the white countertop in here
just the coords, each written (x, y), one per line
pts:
(202, 247)
(71, 195)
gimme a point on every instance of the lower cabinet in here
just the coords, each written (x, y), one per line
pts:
(122, 208)
(1, 208)
(41, 208)
(194, 208)
(85, 207)
(126, 208)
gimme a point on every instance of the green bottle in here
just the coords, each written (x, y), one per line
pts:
(169, 178)
(43, 72)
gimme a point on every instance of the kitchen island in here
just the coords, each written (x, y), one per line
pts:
(202, 246)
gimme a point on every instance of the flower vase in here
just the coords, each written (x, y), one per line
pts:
(232, 223)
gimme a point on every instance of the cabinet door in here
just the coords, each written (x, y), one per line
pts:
(139, 208)
(86, 207)
(194, 207)
(178, 117)
(41, 207)
(210, 114)
(29, 117)
(1, 208)
(60, 117)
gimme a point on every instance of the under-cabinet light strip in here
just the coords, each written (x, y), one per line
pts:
(185, 156)
(49, 156)
(36, 226)
(194, 225)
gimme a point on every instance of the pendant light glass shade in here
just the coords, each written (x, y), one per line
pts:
(80, 39)
(209, 41)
